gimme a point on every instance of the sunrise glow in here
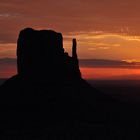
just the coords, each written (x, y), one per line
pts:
(108, 30)
(110, 73)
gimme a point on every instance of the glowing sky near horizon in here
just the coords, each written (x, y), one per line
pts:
(105, 29)
(90, 73)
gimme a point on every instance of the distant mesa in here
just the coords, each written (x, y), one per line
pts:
(40, 54)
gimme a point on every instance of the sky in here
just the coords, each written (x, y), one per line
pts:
(104, 29)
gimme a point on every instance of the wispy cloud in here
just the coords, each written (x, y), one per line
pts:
(105, 26)
(100, 35)
(99, 63)
(103, 45)
(8, 50)
(9, 15)
(91, 63)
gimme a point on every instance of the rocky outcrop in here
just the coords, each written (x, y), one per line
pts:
(40, 54)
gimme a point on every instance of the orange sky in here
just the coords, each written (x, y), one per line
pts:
(91, 73)
(92, 70)
(110, 73)
(105, 29)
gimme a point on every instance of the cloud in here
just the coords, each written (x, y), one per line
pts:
(7, 50)
(8, 61)
(103, 45)
(99, 63)
(119, 16)
(89, 63)
(91, 69)
(102, 27)
(7, 67)
(104, 36)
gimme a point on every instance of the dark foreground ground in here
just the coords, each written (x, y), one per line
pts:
(123, 90)
(126, 91)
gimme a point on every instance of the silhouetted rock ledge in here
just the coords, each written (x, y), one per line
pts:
(48, 97)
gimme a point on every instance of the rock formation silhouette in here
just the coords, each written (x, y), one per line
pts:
(48, 96)
(40, 54)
